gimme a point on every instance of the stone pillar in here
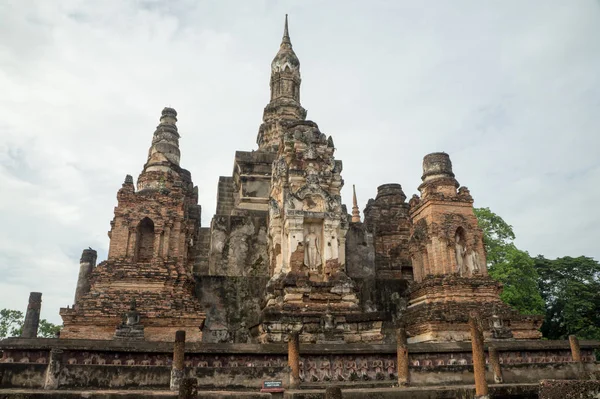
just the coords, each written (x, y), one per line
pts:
(53, 369)
(32, 317)
(294, 359)
(575, 349)
(481, 387)
(402, 363)
(188, 389)
(495, 364)
(86, 265)
(333, 393)
(178, 355)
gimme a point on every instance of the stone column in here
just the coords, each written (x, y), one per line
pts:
(53, 369)
(481, 387)
(333, 393)
(402, 363)
(86, 265)
(294, 359)
(178, 355)
(495, 364)
(188, 389)
(575, 349)
(32, 317)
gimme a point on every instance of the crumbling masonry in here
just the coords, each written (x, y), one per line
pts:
(282, 256)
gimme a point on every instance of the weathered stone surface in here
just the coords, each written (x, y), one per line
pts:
(188, 388)
(565, 389)
(333, 393)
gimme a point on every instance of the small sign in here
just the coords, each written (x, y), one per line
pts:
(272, 386)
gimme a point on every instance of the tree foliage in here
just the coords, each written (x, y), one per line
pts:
(518, 275)
(506, 263)
(571, 289)
(11, 325)
(11, 322)
(47, 329)
(497, 235)
(566, 290)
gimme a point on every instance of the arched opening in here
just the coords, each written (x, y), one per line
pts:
(145, 240)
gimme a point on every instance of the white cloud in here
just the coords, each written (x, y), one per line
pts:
(510, 89)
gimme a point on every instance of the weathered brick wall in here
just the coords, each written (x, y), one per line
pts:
(386, 218)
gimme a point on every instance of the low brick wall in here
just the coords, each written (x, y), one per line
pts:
(128, 364)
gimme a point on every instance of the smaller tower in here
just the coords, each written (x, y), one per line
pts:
(355, 211)
(449, 265)
(386, 218)
(153, 247)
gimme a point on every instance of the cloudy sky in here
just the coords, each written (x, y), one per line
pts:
(509, 88)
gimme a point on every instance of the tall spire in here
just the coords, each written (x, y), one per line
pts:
(286, 33)
(355, 211)
(286, 60)
(285, 94)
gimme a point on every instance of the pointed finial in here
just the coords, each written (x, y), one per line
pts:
(355, 211)
(286, 33)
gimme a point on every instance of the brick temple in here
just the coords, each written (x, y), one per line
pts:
(289, 286)
(282, 254)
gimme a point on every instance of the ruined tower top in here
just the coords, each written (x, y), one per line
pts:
(438, 177)
(164, 151)
(286, 59)
(285, 94)
(437, 165)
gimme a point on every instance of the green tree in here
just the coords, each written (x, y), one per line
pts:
(497, 235)
(571, 289)
(10, 323)
(506, 263)
(518, 275)
(47, 329)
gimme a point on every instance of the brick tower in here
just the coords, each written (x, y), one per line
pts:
(449, 265)
(144, 290)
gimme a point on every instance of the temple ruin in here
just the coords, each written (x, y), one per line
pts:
(282, 253)
(283, 257)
